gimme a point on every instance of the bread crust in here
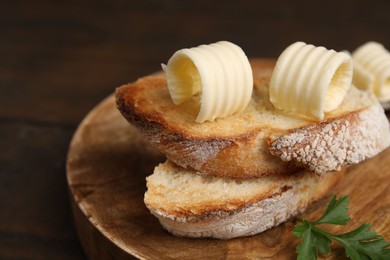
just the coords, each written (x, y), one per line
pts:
(330, 145)
(246, 146)
(283, 197)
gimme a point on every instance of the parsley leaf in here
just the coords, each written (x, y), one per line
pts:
(361, 243)
(311, 241)
(336, 212)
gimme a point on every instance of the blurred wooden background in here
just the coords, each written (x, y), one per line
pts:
(58, 59)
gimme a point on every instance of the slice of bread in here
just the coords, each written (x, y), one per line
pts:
(261, 140)
(193, 205)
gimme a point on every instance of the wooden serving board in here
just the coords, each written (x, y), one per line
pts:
(107, 164)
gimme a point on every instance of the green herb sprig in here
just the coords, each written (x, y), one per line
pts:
(361, 243)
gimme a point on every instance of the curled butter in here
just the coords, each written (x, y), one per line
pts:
(310, 80)
(220, 73)
(372, 69)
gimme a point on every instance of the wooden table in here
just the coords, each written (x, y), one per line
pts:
(59, 59)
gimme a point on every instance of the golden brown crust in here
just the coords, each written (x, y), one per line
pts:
(240, 146)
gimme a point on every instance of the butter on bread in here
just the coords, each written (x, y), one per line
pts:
(191, 205)
(259, 141)
(219, 74)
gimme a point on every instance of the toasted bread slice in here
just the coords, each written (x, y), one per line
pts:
(192, 205)
(261, 140)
